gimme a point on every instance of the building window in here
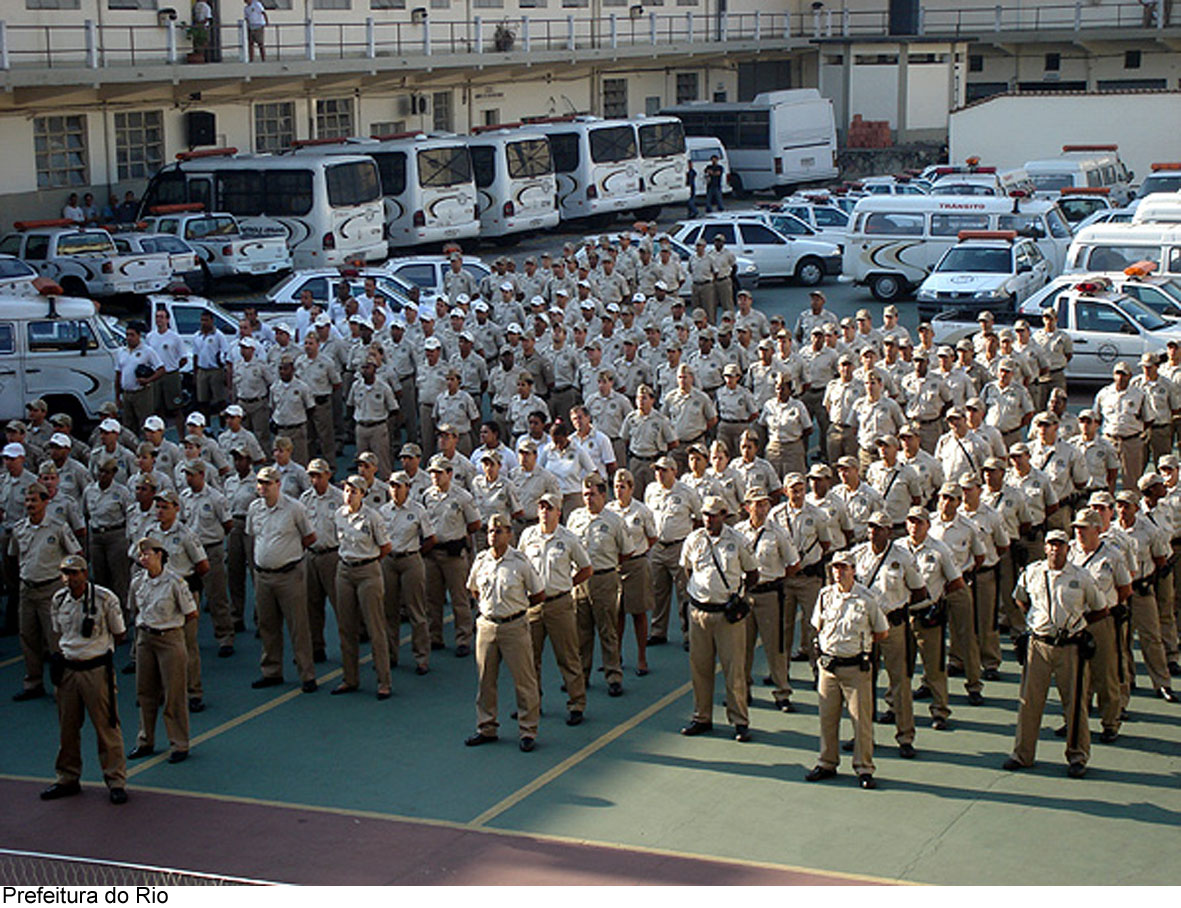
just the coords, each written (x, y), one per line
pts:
(440, 4)
(131, 4)
(277, 4)
(332, 4)
(274, 126)
(334, 118)
(975, 63)
(575, 3)
(387, 4)
(615, 97)
(686, 2)
(488, 4)
(1053, 63)
(442, 115)
(531, 4)
(53, 4)
(139, 144)
(492, 117)
(687, 88)
(59, 145)
(387, 128)
(1131, 59)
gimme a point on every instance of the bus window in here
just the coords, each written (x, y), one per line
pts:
(611, 144)
(565, 152)
(239, 192)
(895, 224)
(348, 184)
(483, 165)
(528, 158)
(392, 167)
(201, 191)
(754, 129)
(1174, 260)
(726, 231)
(168, 188)
(758, 235)
(290, 192)
(84, 243)
(952, 224)
(444, 166)
(7, 339)
(659, 140)
(1117, 258)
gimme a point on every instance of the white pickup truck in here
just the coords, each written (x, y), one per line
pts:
(218, 239)
(84, 261)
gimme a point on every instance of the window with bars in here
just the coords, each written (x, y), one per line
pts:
(131, 4)
(334, 118)
(387, 4)
(442, 113)
(59, 147)
(440, 4)
(332, 4)
(53, 4)
(387, 127)
(488, 4)
(688, 88)
(575, 3)
(274, 126)
(139, 143)
(615, 97)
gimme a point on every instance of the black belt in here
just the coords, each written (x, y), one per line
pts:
(563, 388)
(291, 566)
(987, 570)
(250, 400)
(712, 608)
(361, 563)
(610, 570)
(404, 554)
(371, 423)
(1055, 640)
(773, 586)
(290, 425)
(636, 456)
(898, 616)
(815, 569)
(558, 596)
(1124, 437)
(740, 422)
(843, 661)
(112, 528)
(324, 551)
(505, 620)
(694, 439)
(37, 584)
(85, 665)
(157, 631)
(321, 399)
(671, 542)
(627, 558)
(927, 422)
(208, 368)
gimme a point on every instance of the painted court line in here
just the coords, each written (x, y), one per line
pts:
(13, 661)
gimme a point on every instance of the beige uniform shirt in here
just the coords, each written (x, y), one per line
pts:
(809, 529)
(162, 601)
(206, 513)
(502, 586)
(499, 497)
(360, 533)
(246, 439)
(1099, 457)
(689, 412)
(252, 380)
(860, 503)
(839, 398)
(1057, 600)
(674, 509)
(892, 573)
(899, 485)
(67, 614)
(1122, 413)
(603, 535)
(319, 374)
(1107, 566)
(716, 565)
(1006, 406)
(372, 403)
(609, 412)
(106, 509)
(961, 536)
(991, 529)
(647, 436)
(1039, 492)
(184, 549)
(847, 621)
(40, 547)
(773, 549)
(1056, 347)
(556, 557)
(278, 531)
(290, 402)
(786, 421)
(936, 565)
(450, 512)
(408, 526)
(1012, 505)
(638, 522)
(321, 513)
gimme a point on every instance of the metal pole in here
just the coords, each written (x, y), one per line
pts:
(478, 26)
(426, 36)
(309, 38)
(570, 42)
(171, 42)
(91, 44)
(614, 31)
(242, 42)
(689, 25)
(370, 38)
(4, 63)
(652, 28)
(758, 25)
(525, 34)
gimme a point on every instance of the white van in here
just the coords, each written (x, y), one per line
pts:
(1165, 177)
(701, 149)
(515, 185)
(56, 348)
(1158, 208)
(1114, 247)
(597, 163)
(983, 181)
(895, 241)
(328, 207)
(664, 164)
(1092, 166)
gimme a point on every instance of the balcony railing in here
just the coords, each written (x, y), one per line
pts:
(94, 46)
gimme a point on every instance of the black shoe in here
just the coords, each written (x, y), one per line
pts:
(785, 706)
(309, 687)
(178, 756)
(477, 739)
(742, 733)
(196, 705)
(939, 723)
(991, 674)
(60, 790)
(438, 646)
(29, 693)
(1123, 715)
(140, 751)
(1011, 765)
(819, 774)
(1165, 693)
(866, 781)
(462, 650)
(1107, 736)
(1175, 669)
(955, 671)
(128, 669)
(685, 645)
(975, 698)
(800, 656)
(641, 672)
(384, 694)
(1060, 731)
(265, 681)
(614, 689)
(697, 728)
(421, 669)
(922, 692)
(907, 751)
(1076, 770)
(318, 656)
(886, 718)
(575, 717)
(768, 681)
(343, 688)
(657, 641)
(527, 744)
(239, 627)
(118, 795)
(225, 651)
(847, 746)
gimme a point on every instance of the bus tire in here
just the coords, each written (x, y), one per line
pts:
(74, 286)
(736, 185)
(810, 271)
(782, 191)
(206, 279)
(886, 288)
(61, 403)
(651, 213)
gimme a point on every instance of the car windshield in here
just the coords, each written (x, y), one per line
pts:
(1051, 182)
(1142, 315)
(976, 261)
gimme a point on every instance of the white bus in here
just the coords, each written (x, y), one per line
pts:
(1114, 247)
(430, 196)
(779, 140)
(597, 165)
(327, 208)
(664, 164)
(1091, 166)
(515, 184)
(895, 241)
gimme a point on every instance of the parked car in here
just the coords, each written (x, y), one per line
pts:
(182, 257)
(748, 271)
(984, 268)
(284, 296)
(427, 271)
(775, 254)
(217, 236)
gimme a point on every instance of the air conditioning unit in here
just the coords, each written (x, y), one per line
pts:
(419, 15)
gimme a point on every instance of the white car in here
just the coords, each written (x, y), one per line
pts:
(806, 259)
(18, 278)
(748, 271)
(1160, 294)
(892, 185)
(284, 296)
(182, 258)
(225, 252)
(427, 271)
(1078, 204)
(822, 214)
(991, 266)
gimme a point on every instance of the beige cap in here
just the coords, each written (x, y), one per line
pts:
(410, 449)
(1057, 536)
(665, 463)
(357, 482)
(1018, 448)
(73, 563)
(714, 505)
(193, 466)
(951, 490)
(367, 457)
(1148, 480)
(399, 478)
(848, 463)
(793, 479)
(1101, 499)
(320, 465)
(439, 464)
(269, 474)
(1087, 517)
(1127, 496)
(499, 522)
(880, 519)
(551, 500)
(918, 513)
(168, 495)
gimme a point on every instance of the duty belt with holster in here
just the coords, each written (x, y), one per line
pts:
(453, 547)
(828, 663)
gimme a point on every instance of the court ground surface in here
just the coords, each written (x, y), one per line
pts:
(284, 786)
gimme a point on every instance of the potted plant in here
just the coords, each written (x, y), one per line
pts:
(199, 36)
(503, 38)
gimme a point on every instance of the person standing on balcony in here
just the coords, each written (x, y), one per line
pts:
(256, 19)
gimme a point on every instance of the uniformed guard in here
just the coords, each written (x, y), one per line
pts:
(1123, 411)
(720, 566)
(787, 423)
(809, 529)
(105, 505)
(941, 576)
(207, 513)
(648, 435)
(411, 534)
(454, 515)
(636, 569)
(291, 400)
(374, 403)
(848, 621)
(1056, 597)
(321, 502)
(990, 526)
(677, 510)
(505, 585)
(241, 488)
(88, 620)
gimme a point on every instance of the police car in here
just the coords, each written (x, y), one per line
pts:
(748, 271)
(986, 266)
(428, 271)
(284, 296)
(1160, 294)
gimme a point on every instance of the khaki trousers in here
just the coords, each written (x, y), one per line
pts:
(359, 592)
(931, 643)
(81, 694)
(814, 401)
(510, 642)
(842, 442)
(426, 429)
(787, 458)
(280, 598)
(799, 593)
(1044, 663)
(38, 638)
(729, 432)
(407, 415)
(214, 584)
(642, 472)
(1168, 622)
(193, 657)
(635, 589)
(929, 433)
(769, 623)
(665, 559)
(558, 620)
(704, 297)
(405, 593)
(713, 639)
(597, 605)
(1160, 442)
(323, 443)
(160, 669)
(1104, 672)
(109, 564)
(321, 585)
(987, 634)
(448, 574)
(1131, 458)
(984, 601)
(257, 419)
(138, 406)
(895, 657)
(961, 623)
(376, 439)
(1146, 624)
(239, 555)
(724, 292)
(846, 684)
(299, 440)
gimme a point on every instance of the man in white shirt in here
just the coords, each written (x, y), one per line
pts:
(174, 354)
(255, 15)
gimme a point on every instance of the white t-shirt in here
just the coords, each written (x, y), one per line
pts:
(73, 213)
(255, 14)
(202, 12)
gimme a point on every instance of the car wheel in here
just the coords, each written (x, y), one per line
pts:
(886, 288)
(810, 271)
